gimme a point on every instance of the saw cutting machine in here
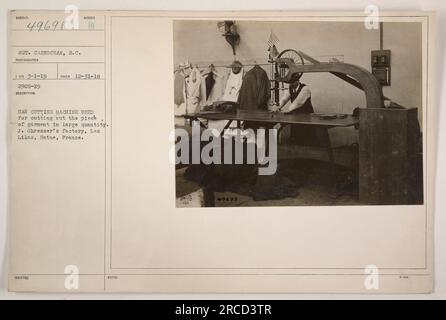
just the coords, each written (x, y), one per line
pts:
(390, 150)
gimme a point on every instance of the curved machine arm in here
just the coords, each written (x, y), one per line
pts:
(366, 80)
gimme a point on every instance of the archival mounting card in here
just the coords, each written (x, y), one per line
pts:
(254, 152)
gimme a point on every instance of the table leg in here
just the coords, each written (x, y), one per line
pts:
(325, 139)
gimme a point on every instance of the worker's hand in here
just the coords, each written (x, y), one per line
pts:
(274, 108)
(283, 110)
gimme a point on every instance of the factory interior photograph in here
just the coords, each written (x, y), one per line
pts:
(298, 113)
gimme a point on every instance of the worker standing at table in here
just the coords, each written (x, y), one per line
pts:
(297, 100)
(299, 96)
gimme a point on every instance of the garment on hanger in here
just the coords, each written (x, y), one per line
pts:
(210, 81)
(255, 90)
(178, 88)
(212, 92)
(233, 86)
(192, 94)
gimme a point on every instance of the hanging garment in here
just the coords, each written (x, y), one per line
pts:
(233, 86)
(213, 95)
(178, 88)
(212, 92)
(192, 93)
(254, 95)
(210, 81)
(255, 90)
(179, 102)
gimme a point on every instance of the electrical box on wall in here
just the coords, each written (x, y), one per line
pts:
(381, 66)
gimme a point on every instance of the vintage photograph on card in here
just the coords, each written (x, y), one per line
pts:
(221, 152)
(298, 113)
